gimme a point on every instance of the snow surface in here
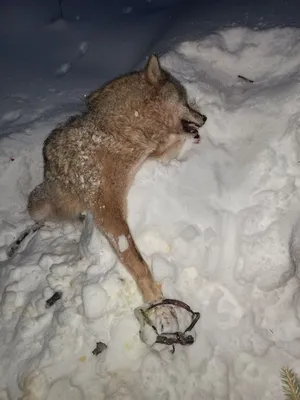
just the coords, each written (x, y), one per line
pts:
(123, 243)
(215, 227)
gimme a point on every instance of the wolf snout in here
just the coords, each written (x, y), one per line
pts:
(202, 120)
(192, 126)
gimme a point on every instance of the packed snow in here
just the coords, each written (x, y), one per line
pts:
(122, 243)
(217, 227)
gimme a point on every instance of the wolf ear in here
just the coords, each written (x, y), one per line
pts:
(154, 73)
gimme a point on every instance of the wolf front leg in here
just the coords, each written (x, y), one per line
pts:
(111, 221)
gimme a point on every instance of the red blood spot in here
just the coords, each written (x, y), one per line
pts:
(12, 159)
(197, 138)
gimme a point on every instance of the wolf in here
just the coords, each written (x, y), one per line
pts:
(90, 160)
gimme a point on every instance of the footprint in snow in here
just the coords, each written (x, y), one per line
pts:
(11, 116)
(63, 69)
(83, 48)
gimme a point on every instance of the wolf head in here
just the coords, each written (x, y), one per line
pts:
(173, 95)
(148, 105)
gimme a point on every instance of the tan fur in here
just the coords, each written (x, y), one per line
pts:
(90, 160)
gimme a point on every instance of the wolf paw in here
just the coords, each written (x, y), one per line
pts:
(164, 319)
(156, 321)
(166, 323)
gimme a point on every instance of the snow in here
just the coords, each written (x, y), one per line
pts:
(220, 228)
(94, 300)
(123, 243)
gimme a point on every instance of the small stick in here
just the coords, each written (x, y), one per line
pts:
(16, 244)
(100, 346)
(53, 299)
(61, 9)
(245, 79)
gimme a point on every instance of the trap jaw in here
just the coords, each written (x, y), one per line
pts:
(169, 339)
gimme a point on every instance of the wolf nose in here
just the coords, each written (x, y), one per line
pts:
(204, 118)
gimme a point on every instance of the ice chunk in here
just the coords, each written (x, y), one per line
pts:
(162, 268)
(189, 233)
(151, 242)
(125, 348)
(209, 234)
(8, 303)
(35, 386)
(95, 300)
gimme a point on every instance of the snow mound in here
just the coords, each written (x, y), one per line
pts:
(215, 229)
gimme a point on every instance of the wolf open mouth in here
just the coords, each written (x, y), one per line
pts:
(189, 126)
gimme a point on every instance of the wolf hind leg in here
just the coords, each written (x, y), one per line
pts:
(39, 204)
(46, 203)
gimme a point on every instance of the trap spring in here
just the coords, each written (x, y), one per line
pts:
(177, 337)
